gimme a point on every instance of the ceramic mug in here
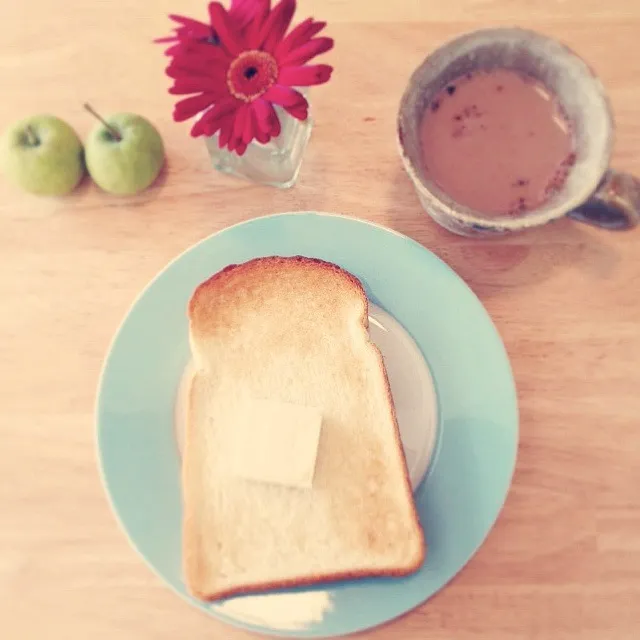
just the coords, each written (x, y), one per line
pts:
(593, 192)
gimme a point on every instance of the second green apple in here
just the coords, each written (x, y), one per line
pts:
(124, 154)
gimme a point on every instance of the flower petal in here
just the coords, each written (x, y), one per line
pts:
(170, 51)
(265, 115)
(174, 48)
(244, 12)
(229, 37)
(223, 122)
(299, 111)
(304, 53)
(195, 67)
(267, 118)
(176, 72)
(211, 75)
(185, 45)
(195, 64)
(254, 29)
(250, 126)
(221, 110)
(284, 96)
(198, 129)
(262, 137)
(213, 124)
(241, 116)
(188, 22)
(198, 84)
(205, 53)
(225, 132)
(276, 25)
(305, 76)
(276, 128)
(190, 28)
(299, 36)
(189, 107)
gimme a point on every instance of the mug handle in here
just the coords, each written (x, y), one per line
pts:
(615, 205)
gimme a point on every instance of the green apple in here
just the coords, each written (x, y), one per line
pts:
(43, 155)
(124, 154)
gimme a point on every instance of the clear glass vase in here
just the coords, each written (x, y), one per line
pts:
(276, 163)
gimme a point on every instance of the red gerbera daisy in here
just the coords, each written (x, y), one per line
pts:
(250, 69)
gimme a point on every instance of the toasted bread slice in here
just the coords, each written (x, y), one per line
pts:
(292, 330)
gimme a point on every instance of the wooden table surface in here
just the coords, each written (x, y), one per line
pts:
(563, 561)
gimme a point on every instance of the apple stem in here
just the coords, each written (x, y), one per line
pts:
(32, 138)
(112, 130)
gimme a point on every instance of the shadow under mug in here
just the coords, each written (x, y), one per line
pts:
(592, 193)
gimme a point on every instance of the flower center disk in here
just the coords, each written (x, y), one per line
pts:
(251, 74)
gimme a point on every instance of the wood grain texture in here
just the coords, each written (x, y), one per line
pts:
(563, 561)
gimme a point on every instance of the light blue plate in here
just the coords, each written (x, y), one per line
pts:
(478, 431)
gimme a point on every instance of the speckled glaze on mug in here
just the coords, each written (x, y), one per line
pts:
(592, 193)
